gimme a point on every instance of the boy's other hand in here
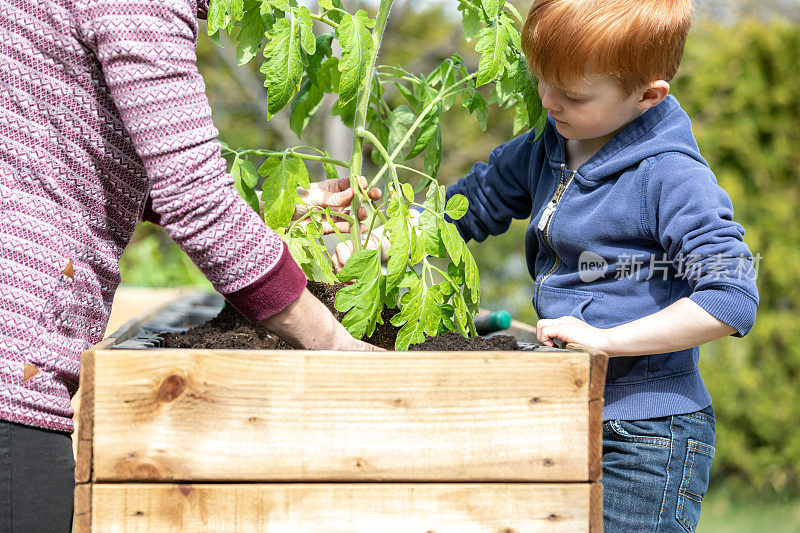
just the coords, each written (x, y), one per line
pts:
(336, 194)
(571, 330)
(345, 249)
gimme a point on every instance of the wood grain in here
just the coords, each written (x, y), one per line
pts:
(345, 508)
(203, 415)
(83, 508)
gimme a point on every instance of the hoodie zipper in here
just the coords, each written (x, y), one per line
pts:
(544, 223)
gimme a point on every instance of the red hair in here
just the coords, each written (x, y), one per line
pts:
(636, 41)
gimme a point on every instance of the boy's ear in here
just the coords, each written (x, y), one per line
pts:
(653, 94)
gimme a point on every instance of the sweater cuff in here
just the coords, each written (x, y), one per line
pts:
(273, 292)
(731, 306)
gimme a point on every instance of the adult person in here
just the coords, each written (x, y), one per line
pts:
(101, 108)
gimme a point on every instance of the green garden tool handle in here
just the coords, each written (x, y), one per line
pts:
(491, 322)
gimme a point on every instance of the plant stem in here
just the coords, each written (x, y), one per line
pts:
(362, 107)
(382, 149)
(327, 21)
(298, 155)
(414, 170)
(443, 93)
(470, 325)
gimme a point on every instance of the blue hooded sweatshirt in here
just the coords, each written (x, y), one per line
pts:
(635, 228)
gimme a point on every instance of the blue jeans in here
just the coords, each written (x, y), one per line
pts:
(655, 472)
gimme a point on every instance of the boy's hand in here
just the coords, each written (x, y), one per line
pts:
(345, 249)
(570, 329)
(336, 194)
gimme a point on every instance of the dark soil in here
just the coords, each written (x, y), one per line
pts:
(452, 341)
(229, 330)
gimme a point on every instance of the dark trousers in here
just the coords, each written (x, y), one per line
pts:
(36, 480)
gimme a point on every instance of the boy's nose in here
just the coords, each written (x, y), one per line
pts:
(548, 98)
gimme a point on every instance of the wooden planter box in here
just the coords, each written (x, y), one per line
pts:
(298, 441)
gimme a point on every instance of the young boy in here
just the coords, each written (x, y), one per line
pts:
(631, 244)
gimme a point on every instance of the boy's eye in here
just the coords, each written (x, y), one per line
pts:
(575, 98)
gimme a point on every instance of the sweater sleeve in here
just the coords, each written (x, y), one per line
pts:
(692, 217)
(498, 191)
(146, 49)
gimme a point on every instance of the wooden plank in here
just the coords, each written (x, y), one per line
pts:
(84, 415)
(132, 308)
(596, 508)
(344, 508)
(83, 509)
(596, 440)
(204, 415)
(598, 367)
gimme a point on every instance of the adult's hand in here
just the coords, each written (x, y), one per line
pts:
(336, 194)
(307, 324)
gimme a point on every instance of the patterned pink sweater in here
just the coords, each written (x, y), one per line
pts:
(101, 104)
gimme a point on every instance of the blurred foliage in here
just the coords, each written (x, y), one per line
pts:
(740, 86)
(153, 260)
(739, 83)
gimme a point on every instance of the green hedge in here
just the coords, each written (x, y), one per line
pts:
(741, 86)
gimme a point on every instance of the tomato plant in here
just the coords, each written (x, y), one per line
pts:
(300, 67)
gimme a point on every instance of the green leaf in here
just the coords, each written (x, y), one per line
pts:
(245, 179)
(283, 65)
(245, 171)
(400, 119)
(297, 247)
(505, 88)
(307, 39)
(513, 31)
(237, 8)
(356, 42)
(476, 103)
(457, 206)
(417, 249)
(218, 16)
(537, 115)
(408, 191)
(331, 6)
(521, 119)
(471, 277)
(305, 103)
(421, 314)
(492, 7)
(412, 100)
(316, 67)
(327, 77)
(452, 240)
(400, 240)
(362, 301)
(431, 236)
(471, 21)
(493, 47)
(280, 188)
(428, 130)
(283, 5)
(321, 266)
(433, 158)
(331, 172)
(251, 37)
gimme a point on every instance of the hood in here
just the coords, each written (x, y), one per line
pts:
(663, 128)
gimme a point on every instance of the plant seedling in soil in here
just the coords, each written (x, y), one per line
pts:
(300, 67)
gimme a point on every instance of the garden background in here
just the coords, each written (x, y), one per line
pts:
(740, 84)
